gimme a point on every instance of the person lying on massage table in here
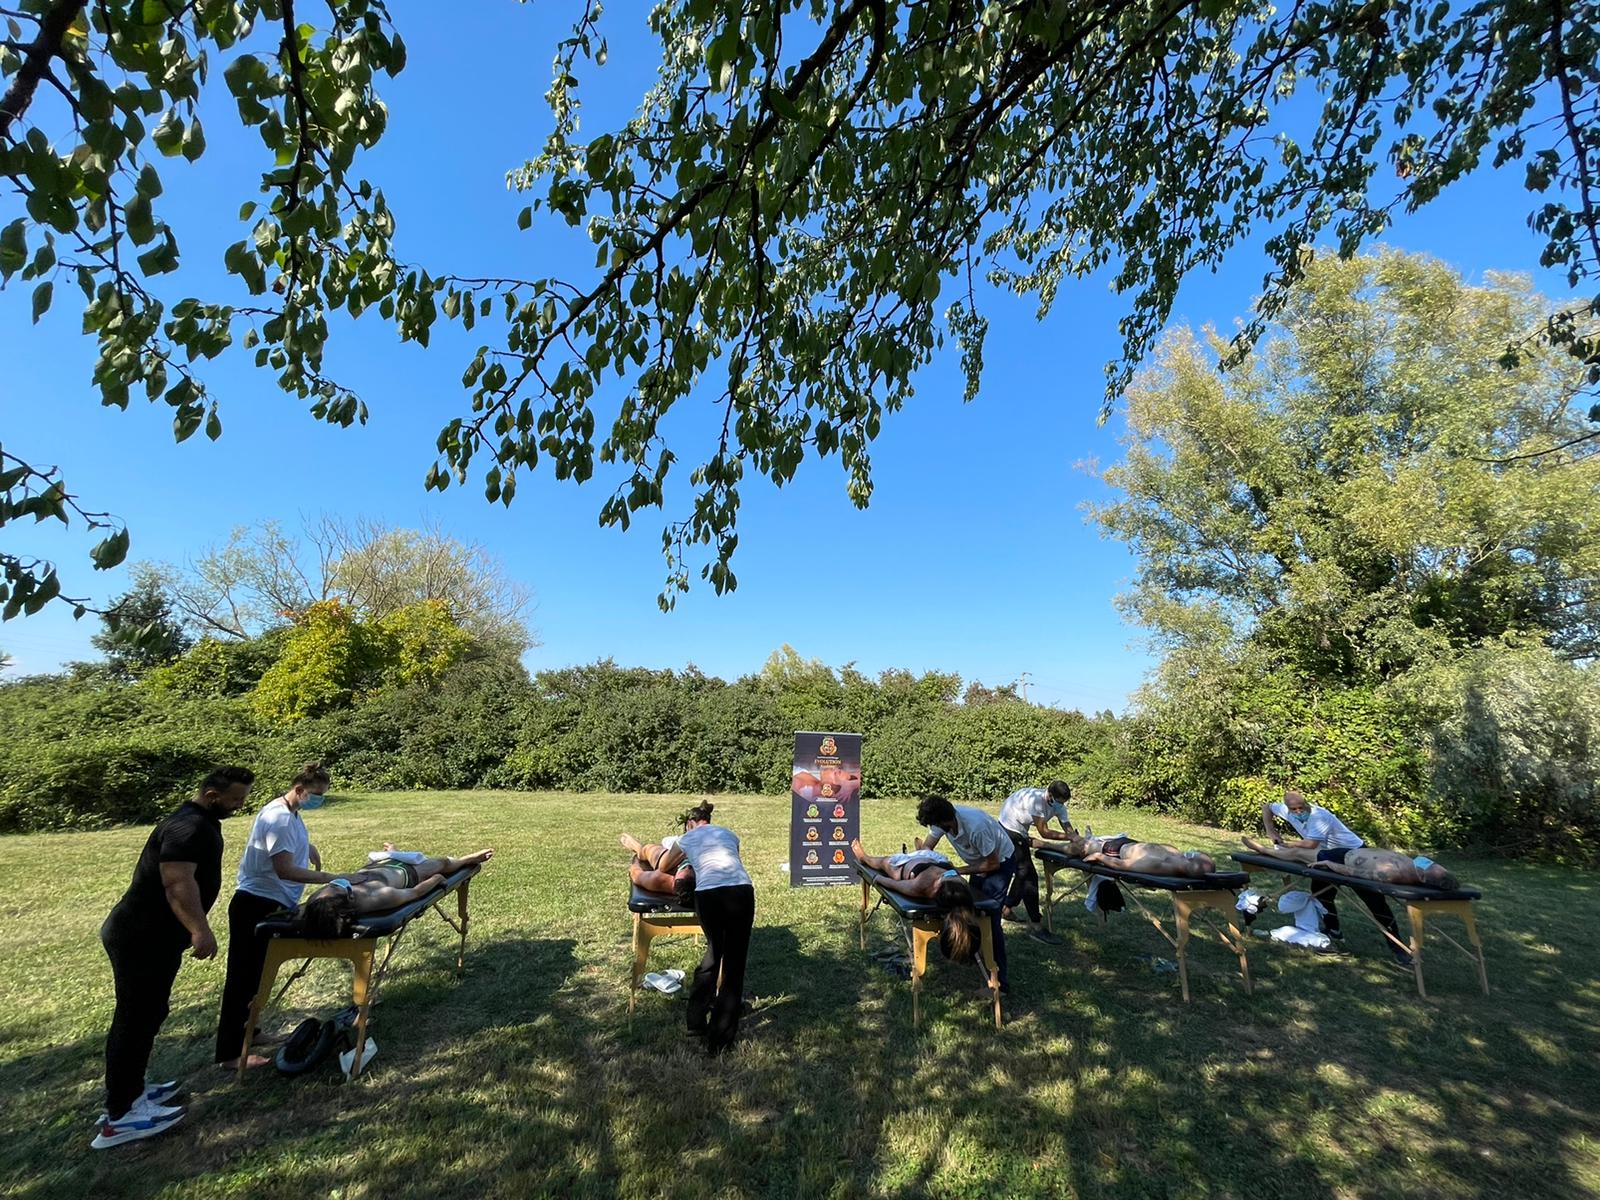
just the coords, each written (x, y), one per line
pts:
(1151, 858)
(1380, 866)
(991, 859)
(390, 880)
(651, 870)
(1332, 840)
(929, 876)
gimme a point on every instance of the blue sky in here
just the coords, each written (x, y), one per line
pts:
(974, 556)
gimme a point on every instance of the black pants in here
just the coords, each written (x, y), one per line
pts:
(1025, 883)
(143, 967)
(726, 917)
(1376, 904)
(246, 954)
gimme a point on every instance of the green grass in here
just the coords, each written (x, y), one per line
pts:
(526, 1078)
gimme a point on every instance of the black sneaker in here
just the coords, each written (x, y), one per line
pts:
(1403, 961)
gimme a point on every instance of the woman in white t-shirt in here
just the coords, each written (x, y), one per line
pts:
(279, 860)
(725, 901)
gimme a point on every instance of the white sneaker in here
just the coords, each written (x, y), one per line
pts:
(143, 1120)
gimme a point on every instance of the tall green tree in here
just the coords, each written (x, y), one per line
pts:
(1373, 485)
(791, 224)
(140, 630)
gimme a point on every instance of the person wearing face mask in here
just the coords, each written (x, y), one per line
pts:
(1331, 841)
(279, 860)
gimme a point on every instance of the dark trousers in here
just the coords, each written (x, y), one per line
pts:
(143, 968)
(996, 885)
(246, 955)
(1376, 904)
(1025, 883)
(726, 917)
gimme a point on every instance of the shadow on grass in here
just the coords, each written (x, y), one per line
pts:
(527, 1078)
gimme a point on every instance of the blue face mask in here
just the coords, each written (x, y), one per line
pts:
(1422, 862)
(312, 800)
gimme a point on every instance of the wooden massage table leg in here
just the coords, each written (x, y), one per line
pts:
(1418, 914)
(921, 935)
(866, 890)
(361, 993)
(1184, 907)
(277, 955)
(986, 944)
(1471, 922)
(642, 934)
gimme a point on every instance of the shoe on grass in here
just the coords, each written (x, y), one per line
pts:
(143, 1120)
(1007, 915)
(1040, 934)
(160, 1093)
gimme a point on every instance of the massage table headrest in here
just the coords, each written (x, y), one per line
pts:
(906, 906)
(1400, 891)
(1224, 880)
(375, 924)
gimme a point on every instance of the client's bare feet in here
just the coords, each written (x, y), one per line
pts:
(1258, 847)
(388, 847)
(482, 856)
(632, 844)
(857, 849)
(251, 1061)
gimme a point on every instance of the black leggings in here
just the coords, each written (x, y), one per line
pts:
(1376, 904)
(246, 955)
(1025, 883)
(143, 969)
(726, 917)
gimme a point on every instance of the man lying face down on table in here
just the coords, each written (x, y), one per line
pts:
(991, 859)
(1149, 858)
(929, 876)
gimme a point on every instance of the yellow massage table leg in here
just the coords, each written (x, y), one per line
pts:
(641, 958)
(358, 951)
(986, 944)
(361, 992)
(921, 935)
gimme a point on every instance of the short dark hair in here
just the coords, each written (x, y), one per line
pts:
(1060, 790)
(224, 778)
(935, 810)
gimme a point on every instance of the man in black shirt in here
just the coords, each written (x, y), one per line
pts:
(162, 913)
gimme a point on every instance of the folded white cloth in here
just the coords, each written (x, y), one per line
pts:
(406, 856)
(1306, 909)
(348, 1058)
(665, 982)
(1296, 936)
(1249, 901)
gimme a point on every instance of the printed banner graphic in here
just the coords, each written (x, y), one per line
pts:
(825, 794)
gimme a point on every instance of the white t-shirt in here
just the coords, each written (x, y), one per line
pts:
(276, 829)
(977, 835)
(1027, 805)
(713, 852)
(1320, 826)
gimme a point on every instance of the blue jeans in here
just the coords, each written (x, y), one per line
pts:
(994, 886)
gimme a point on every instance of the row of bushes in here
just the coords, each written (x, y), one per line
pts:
(80, 753)
(1497, 750)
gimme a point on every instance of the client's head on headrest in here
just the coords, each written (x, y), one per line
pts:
(330, 913)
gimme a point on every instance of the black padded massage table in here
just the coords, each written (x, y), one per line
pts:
(920, 923)
(360, 948)
(1216, 892)
(1421, 903)
(654, 915)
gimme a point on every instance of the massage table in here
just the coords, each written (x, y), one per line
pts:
(1421, 903)
(654, 915)
(1216, 892)
(360, 948)
(920, 922)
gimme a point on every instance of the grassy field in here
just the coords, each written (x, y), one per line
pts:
(526, 1078)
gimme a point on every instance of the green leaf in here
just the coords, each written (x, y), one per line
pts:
(168, 134)
(41, 299)
(194, 141)
(110, 551)
(13, 247)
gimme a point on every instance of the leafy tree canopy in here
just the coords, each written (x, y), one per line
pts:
(782, 226)
(1371, 487)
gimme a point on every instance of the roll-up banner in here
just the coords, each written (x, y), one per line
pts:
(826, 808)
